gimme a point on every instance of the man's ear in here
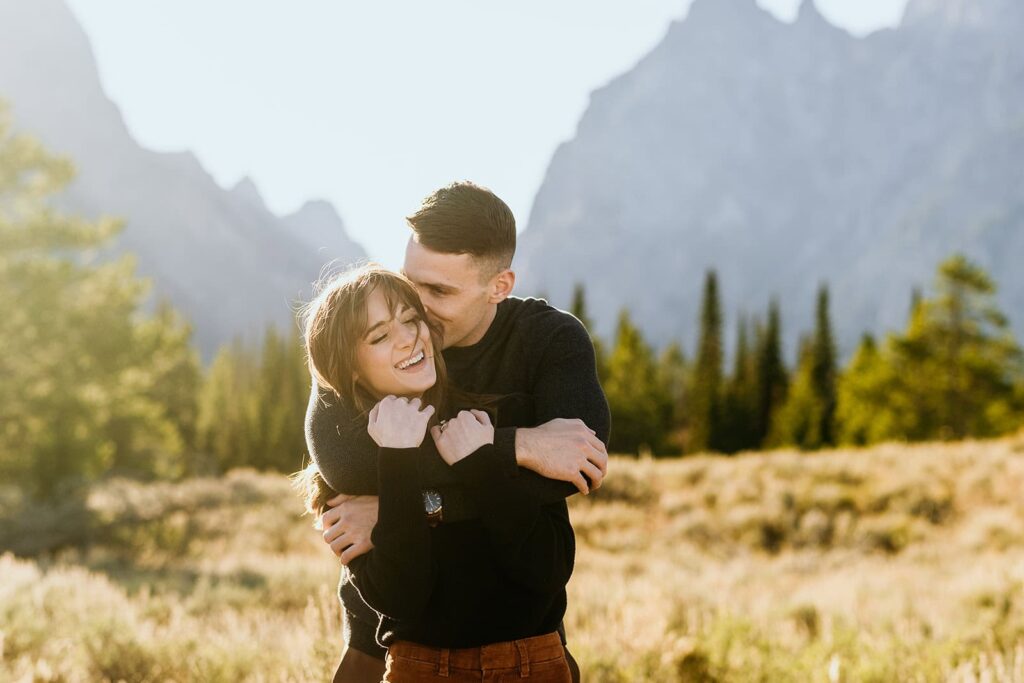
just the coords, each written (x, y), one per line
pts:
(501, 286)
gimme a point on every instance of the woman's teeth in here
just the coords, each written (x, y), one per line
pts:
(410, 361)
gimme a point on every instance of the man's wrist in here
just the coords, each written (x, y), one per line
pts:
(524, 456)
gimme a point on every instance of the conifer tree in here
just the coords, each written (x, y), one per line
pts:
(283, 388)
(798, 420)
(807, 418)
(865, 388)
(579, 310)
(951, 374)
(915, 300)
(252, 405)
(706, 426)
(958, 358)
(673, 375)
(640, 405)
(741, 396)
(823, 374)
(772, 378)
(83, 371)
(227, 405)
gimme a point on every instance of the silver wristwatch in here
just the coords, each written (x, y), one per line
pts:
(434, 506)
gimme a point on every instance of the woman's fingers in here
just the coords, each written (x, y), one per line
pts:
(481, 417)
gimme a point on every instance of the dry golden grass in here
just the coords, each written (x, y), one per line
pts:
(896, 563)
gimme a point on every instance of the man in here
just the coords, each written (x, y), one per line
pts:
(552, 422)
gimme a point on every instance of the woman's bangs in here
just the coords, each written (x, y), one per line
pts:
(399, 293)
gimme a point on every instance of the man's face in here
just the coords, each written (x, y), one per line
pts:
(454, 290)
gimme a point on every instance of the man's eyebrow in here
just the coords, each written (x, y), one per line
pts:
(437, 286)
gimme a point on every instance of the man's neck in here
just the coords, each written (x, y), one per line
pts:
(480, 330)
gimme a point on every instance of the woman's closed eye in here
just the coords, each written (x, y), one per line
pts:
(408, 320)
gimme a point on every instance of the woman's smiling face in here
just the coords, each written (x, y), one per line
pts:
(395, 354)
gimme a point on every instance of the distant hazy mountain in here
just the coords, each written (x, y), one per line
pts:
(784, 155)
(223, 259)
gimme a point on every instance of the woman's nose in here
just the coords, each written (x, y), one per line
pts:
(407, 335)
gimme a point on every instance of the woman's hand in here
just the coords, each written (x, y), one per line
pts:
(397, 422)
(463, 434)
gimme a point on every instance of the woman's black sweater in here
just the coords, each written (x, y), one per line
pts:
(542, 361)
(499, 577)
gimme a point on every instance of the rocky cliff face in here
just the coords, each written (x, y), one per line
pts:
(221, 257)
(785, 155)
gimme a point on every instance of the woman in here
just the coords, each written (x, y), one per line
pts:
(461, 599)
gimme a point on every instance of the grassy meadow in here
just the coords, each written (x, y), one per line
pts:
(894, 563)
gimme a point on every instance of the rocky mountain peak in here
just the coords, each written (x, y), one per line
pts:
(246, 190)
(190, 236)
(783, 156)
(810, 15)
(723, 8)
(318, 211)
(963, 13)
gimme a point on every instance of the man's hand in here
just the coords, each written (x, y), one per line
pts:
(462, 435)
(565, 450)
(347, 525)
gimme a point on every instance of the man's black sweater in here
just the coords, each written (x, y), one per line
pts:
(541, 361)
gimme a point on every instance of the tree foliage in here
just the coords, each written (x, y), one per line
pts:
(90, 384)
(741, 398)
(808, 417)
(252, 405)
(953, 373)
(640, 404)
(707, 425)
(579, 310)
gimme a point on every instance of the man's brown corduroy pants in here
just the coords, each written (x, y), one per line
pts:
(540, 659)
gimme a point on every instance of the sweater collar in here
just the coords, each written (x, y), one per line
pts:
(460, 354)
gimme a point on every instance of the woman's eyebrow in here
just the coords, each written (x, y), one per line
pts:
(370, 331)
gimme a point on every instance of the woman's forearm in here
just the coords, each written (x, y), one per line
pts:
(396, 577)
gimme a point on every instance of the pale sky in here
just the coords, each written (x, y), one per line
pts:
(372, 105)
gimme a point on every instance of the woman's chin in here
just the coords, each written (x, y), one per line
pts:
(416, 384)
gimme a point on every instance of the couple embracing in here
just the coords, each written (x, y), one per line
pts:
(447, 424)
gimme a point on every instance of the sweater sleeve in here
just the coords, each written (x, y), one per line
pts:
(533, 541)
(397, 576)
(566, 386)
(339, 444)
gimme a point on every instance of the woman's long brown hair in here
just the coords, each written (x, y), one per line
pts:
(335, 322)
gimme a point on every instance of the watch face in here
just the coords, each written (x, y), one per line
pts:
(432, 502)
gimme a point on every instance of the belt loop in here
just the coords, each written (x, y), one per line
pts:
(524, 659)
(442, 667)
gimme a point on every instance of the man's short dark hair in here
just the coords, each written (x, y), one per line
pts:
(463, 218)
